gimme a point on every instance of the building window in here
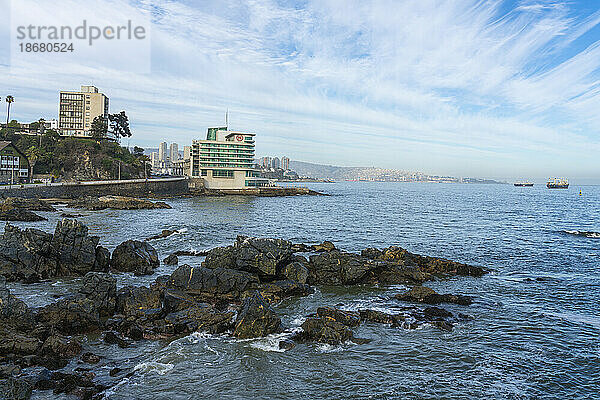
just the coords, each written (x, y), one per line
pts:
(222, 173)
(204, 172)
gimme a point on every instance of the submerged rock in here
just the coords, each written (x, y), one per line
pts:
(256, 319)
(423, 294)
(165, 233)
(135, 256)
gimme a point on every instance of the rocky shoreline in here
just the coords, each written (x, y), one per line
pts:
(234, 291)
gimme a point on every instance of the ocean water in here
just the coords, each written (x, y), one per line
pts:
(536, 318)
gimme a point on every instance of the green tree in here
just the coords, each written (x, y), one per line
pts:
(119, 124)
(99, 128)
(34, 153)
(138, 151)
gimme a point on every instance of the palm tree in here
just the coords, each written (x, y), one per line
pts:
(9, 99)
(33, 154)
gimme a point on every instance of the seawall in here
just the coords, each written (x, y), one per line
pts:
(133, 188)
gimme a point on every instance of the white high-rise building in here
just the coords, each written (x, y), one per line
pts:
(174, 152)
(162, 152)
(154, 159)
(186, 152)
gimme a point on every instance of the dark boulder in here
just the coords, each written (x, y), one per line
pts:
(200, 317)
(74, 249)
(13, 310)
(57, 350)
(211, 284)
(265, 257)
(73, 315)
(429, 265)
(15, 388)
(165, 233)
(296, 271)
(31, 255)
(276, 291)
(138, 301)
(102, 262)
(325, 246)
(90, 358)
(338, 268)
(348, 318)
(436, 313)
(13, 342)
(324, 330)
(101, 288)
(378, 317)
(135, 256)
(19, 214)
(423, 294)
(11, 203)
(256, 319)
(112, 337)
(171, 260)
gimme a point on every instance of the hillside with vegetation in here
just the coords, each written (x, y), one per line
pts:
(77, 159)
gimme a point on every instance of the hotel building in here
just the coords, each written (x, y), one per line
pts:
(225, 160)
(77, 110)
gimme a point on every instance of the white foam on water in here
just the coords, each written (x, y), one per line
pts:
(298, 321)
(329, 348)
(154, 366)
(182, 230)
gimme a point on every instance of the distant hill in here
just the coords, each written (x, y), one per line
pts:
(349, 173)
(320, 171)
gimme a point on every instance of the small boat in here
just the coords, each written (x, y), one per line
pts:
(557, 183)
(522, 184)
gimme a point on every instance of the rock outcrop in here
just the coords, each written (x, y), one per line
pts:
(429, 265)
(423, 294)
(116, 203)
(11, 203)
(135, 256)
(31, 255)
(19, 214)
(256, 319)
(264, 257)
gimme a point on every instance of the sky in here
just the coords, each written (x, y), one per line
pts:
(495, 89)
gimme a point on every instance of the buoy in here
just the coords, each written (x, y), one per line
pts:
(580, 192)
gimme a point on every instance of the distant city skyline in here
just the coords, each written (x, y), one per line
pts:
(498, 89)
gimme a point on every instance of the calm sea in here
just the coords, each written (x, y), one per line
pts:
(536, 318)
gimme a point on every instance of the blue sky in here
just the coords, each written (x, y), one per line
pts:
(501, 89)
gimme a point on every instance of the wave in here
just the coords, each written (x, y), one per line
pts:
(587, 234)
(154, 366)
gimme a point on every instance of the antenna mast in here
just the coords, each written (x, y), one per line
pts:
(227, 119)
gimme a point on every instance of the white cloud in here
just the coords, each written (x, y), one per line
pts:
(429, 84)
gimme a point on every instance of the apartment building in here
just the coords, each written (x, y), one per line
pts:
(77, 110)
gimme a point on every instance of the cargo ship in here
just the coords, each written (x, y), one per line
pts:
(521, 184)
(557, 183)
